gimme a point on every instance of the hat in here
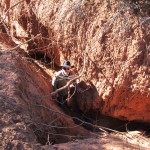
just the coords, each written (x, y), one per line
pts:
(67, 64)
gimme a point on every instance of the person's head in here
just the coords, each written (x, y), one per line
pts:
(66, 66)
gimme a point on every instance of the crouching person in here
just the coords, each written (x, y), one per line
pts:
(60, 79)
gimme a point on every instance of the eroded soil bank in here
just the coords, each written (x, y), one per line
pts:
(113, 39)
(113, 34)
(30, 119)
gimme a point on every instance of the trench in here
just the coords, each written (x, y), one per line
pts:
(90, 121)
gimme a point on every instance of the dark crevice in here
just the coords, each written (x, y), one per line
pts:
(2, 28)
(42, 57)
(45, 60)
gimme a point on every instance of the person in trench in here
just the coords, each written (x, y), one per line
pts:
(60, 79)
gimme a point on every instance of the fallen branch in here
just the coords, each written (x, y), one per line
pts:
(24, 42)
(76, 118)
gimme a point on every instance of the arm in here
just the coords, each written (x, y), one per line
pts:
(54, 79)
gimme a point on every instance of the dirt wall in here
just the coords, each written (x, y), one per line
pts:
(114, 35)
